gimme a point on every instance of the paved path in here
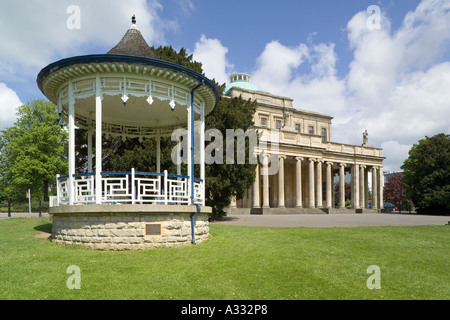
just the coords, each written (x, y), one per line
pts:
(4, 215)
(311, 220)
(334, 220)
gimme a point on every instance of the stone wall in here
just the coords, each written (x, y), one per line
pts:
(128, 231)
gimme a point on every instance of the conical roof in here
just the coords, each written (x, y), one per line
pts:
(133, 44)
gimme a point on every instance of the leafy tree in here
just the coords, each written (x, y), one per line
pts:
(427, 175)
(181, 58)
(32, 151)
(394, 190)
(348, 191)
(227, 180)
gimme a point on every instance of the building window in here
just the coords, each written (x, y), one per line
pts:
(297, 127)
(311, 129)
(263, 122)
(278, 124)
(324, 134)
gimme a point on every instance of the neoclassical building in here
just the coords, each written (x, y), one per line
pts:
(309, 163)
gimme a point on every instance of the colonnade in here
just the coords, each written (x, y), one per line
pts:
(312, 184)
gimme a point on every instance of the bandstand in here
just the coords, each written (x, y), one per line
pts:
(129, 93)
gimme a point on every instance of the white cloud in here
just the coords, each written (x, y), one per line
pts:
(278, 71)
(396, 88)
(34, 33)
(212, 54)
(397, 155)
(9, 102)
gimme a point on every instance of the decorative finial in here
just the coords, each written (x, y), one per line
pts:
(133, 19)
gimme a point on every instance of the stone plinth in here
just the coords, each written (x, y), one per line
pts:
(128, 227)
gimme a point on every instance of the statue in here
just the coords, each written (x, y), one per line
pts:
(366, 139)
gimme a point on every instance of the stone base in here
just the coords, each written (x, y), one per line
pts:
(128, 227)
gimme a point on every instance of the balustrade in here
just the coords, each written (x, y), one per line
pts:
(128, 188)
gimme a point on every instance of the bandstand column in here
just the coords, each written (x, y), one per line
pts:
(71, 124)
(281, 182)
(298, 182)
(89, 143)
(158, 150)
(202, 152)
(311, 183)
(342, 185)
(190, 110)
(98, 142)
(329, 185)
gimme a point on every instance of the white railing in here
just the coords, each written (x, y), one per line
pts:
(128, 188)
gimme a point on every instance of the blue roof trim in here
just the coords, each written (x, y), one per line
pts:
(102, 58)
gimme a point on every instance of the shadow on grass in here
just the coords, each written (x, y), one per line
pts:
(46, 227)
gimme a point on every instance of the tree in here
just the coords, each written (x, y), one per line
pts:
(394, 190)
(32, 151)
(427, 175)
(348, 191)
(230, 180)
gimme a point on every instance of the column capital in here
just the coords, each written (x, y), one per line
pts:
(299, 158)
(342, 164)
(329, 163)
(282, 157)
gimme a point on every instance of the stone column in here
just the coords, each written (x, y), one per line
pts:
(298, 182)
(256, 202)
(329, 185)
(266, 203)
(281, 182)
(319, 184)
(374, 188)
(342, 185)
(355, 186)
(361, 186)
(366, 188)
(380, 188)
(233, 202)
(311, 183)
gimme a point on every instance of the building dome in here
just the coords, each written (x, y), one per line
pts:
(242, 81)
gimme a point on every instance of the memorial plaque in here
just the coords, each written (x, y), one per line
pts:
(153, 230)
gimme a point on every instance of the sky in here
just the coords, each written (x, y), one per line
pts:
(380, 66)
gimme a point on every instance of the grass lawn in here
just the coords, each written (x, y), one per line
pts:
(236, 263)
